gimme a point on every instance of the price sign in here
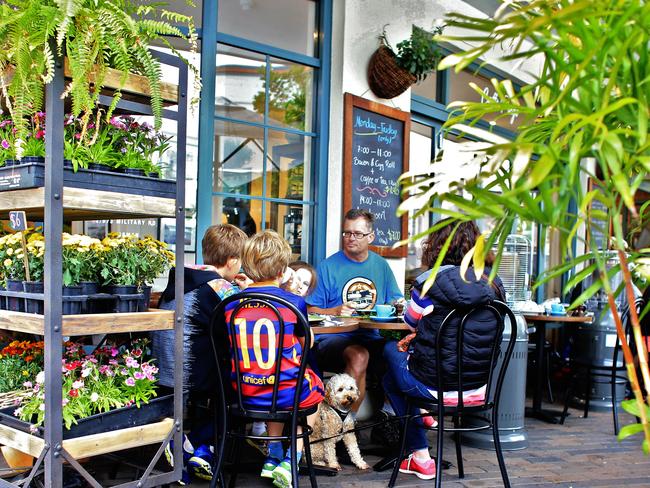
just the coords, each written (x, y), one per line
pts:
(17, 220)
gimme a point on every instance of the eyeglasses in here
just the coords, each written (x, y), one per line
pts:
(357, 235)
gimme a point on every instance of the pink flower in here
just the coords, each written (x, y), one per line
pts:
(27, 384)
(132, 363)
(114, 352)
(5, 123)
(39, 134)
(78, 384)
(130, 382)
(64, 402)
(137, 353)
(73, 393)
(5, 144)
(77, 136)
(139, 375)
(124, 372)
(112, 362)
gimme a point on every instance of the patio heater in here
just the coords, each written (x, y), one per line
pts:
(514, 271)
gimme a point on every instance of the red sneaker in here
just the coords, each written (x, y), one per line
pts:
(429, 422)
(425, 470)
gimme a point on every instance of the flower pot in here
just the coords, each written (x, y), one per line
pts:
(385, 77)
(72, 306)
(135, 172)
(67, 164)
(32, 159)
(143, 303)
(33, 305)
(11, 162)
(14, 303)
(127, 297)
(89, 288)
(98, 167)
(3, 299)
(153, 174)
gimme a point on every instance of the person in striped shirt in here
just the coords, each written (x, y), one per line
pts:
(264, 259)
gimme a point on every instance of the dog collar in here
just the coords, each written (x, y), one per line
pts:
(343, 414)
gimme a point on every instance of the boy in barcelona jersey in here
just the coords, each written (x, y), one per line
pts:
(265, 258)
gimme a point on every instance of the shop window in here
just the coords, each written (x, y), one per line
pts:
(286, 24)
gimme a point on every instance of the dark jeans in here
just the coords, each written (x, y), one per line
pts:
(327, 352)
(400, 383)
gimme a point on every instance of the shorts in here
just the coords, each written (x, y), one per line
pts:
(328, 351)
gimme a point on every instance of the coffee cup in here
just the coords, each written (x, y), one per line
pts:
(557, 308)
(384, 311)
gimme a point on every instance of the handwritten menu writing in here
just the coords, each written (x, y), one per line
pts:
(376, 150)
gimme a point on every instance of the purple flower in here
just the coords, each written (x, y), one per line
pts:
(124, 372)
(5, 144)
(28, 384)
(130, 382)
(5, 123)
(132, 363)
(139, 375)
(114, 352)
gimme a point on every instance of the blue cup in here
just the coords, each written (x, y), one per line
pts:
(557, 308)
(384, 311)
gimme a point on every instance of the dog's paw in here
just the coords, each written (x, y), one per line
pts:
(336, 467)
(363, 465)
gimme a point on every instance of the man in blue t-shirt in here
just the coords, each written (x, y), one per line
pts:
(352, 280)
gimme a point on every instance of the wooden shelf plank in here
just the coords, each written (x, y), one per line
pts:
(80, 204)
(90, 445)
(117, 440)
(86, 324)
(21, 441)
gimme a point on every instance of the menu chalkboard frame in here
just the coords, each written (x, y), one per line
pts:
(401, 118)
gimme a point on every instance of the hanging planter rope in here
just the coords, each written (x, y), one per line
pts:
(385, 77)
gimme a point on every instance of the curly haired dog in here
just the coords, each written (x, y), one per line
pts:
(333, 419)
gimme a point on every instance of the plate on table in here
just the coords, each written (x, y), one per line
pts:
(315, 319)
(558, 314)
(386, 319)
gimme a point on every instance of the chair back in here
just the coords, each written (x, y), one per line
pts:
(640, 304)
(261, 328)
(453, 333)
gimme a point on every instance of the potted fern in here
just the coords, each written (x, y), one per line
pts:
(391, 72)
(94, 35)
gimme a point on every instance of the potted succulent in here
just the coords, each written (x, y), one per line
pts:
(93, 35)
(391, 72)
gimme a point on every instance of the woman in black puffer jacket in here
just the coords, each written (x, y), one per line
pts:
(414, 372)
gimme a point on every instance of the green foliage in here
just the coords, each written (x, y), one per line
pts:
(419, 54)
(96, 34)
(584, 113)
(287, 95)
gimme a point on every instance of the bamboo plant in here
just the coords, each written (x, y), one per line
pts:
(93, 35)
(583, 115)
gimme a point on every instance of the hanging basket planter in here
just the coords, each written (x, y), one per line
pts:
(385, 77)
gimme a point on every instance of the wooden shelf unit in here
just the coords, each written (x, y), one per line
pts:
(87, 324)
(84, 204)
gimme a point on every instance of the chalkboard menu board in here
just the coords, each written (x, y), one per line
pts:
(375, 155)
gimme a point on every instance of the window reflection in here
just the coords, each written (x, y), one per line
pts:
(285, 167)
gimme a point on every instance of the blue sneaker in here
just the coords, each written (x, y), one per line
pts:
(188, 451)
(200, 464)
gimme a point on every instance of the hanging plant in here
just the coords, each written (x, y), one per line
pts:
(96, 35)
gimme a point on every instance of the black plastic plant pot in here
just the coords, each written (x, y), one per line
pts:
(153, 174)
(122, 289)
(33, 305)
(72, 307)
(3, 299)
(89, 287)
(97, 167)
(68, 164)
(11, 162)
(32, 159)
(135, 172)
(143, 304)
(14, 303)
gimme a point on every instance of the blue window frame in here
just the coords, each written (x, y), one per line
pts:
(301, 147)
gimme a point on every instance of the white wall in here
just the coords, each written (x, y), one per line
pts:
(356, 27)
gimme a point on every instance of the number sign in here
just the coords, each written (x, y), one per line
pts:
(17, 220)
(375, 155)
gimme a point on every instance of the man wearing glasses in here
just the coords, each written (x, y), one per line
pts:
(352, 280)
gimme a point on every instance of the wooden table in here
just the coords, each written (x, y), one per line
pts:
(371, 324)
(349, 324)
(540, 322)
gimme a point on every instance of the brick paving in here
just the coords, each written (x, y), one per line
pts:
(583, 453)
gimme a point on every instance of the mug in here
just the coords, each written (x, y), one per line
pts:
(385, 310)
(557, 308)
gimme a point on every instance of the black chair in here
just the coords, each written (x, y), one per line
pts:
(587, 373)
(453, 380)
(231, 412)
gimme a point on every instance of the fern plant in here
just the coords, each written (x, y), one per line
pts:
(96, 35)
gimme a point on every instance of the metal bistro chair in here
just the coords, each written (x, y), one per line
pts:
(231, 412)
(453, 380)
(586, 373)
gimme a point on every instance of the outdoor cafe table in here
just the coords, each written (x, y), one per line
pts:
(540, 322)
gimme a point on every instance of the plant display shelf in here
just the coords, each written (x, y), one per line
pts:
(53, 204)
(84, 204)
(86, 324)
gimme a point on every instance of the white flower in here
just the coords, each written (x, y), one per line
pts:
(40, 377)
(41, 407)
(94, 396)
